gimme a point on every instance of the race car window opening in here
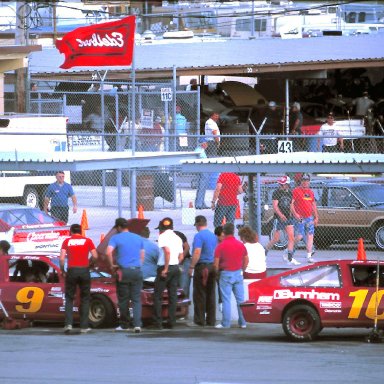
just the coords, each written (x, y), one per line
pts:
(17, 217)
(31, 271)
(324, 276)
(365, 276)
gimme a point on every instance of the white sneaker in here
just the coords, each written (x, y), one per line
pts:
(220, 326)
(294, 262)
(137, 330)
(310, 260)
(121, 329)
(85, 330)
(243, 326)
(67, 329)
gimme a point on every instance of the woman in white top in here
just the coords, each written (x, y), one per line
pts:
(257, 267)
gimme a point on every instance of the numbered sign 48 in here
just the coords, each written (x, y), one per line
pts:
(284, 146)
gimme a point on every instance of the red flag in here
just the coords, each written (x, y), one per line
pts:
(105, 44)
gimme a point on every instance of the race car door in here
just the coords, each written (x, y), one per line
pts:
(32, 294)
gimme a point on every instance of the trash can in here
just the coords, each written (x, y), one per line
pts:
(145, 191)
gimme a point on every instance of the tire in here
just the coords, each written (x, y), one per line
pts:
(301, 323)
(101, 312)
(283, 241)
(379, 236)
(31, 198)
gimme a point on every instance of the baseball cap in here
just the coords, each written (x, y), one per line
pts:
(200, 220)
(306, 176)
(166, 223)
(203, 140)
(284, 180)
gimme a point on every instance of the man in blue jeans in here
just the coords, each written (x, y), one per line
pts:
(231, 259)
(203, 177)
(129, 259)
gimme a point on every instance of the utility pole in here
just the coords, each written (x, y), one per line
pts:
(20, 39)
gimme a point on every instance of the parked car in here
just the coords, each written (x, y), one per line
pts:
(337, 293)
(347, 210)
(32, 288)
(30, 229)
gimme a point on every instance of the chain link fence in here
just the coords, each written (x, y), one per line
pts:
(161, 116)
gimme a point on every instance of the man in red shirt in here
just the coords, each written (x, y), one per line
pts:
(231, 259)
(227, 188)
(75, 250)
(304, 210)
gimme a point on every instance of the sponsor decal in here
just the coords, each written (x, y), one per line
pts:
(103, 290)
(264, 300)
(34, 226)
(332, 310)
(104, 44)
(336, 304)
(45, 246)
(56, 289)
(75, 242)
(260, 307)
(284, 294)
(43, 236)
(265, 313)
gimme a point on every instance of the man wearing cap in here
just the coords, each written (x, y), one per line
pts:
(330, 144)
(212, 132)
(304, 210)
(283, 220)
(272, 126)
(204, 275)
(203, 177)
(167, 272)
(129, 253)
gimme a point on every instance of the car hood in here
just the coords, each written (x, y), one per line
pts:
(242, 95)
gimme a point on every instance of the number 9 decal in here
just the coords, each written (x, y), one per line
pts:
(31, 299)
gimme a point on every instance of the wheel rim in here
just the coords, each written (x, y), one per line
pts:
(31, 200)
(97, 311)
(380, 237)
(301, 323)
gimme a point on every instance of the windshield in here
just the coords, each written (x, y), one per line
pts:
(24, 216)
(371, 194)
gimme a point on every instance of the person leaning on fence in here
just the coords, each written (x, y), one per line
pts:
(58, 193)
(330, 144)
(257, 266)
(283, 220)
(212, 133)
(75, 252)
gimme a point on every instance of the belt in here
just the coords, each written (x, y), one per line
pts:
(130, 267)
(198, 264)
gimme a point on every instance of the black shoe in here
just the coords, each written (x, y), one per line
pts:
(203, 207)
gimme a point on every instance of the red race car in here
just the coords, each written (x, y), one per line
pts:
(30, 229)
(32, 288)
(337, 293)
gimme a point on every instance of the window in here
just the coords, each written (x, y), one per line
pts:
(365, 276)
(32, 271)
(325, 276)
(341, 198)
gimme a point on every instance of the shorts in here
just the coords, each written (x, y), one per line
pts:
(279, 225)
(305, 226)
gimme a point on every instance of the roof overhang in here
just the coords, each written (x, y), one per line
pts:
(293, 162)
(88, 161)
(14, 57)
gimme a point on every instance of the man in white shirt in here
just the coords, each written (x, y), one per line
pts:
(167, 272)
(330, 143)
(212, 133)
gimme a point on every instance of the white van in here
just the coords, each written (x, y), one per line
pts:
(30, 133)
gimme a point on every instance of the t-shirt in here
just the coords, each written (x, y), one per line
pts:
(78, 248)
(230, 185)
(184, 240)
(231, 253)
(206, 241)
(210, 127)
(303, 199)
(59, 194)
(329, 130)
(256, 254)
(152, 253)
(174, 243)
(128, 247)
(284, 196)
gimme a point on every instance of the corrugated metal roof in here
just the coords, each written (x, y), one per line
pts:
(250, 54)
(291, 162)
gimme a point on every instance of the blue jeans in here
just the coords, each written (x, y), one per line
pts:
(77, 277)
(184, 278)
(231, 281)
(202, 185)
(221, 211)
(129, 289)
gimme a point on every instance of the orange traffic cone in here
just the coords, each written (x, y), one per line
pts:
(140, 213)
(238, 212)
(361, 255)
(84, 220)
(102, 237)
(224, 221)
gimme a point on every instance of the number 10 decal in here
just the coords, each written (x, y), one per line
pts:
(31, 299)
(358, 301)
